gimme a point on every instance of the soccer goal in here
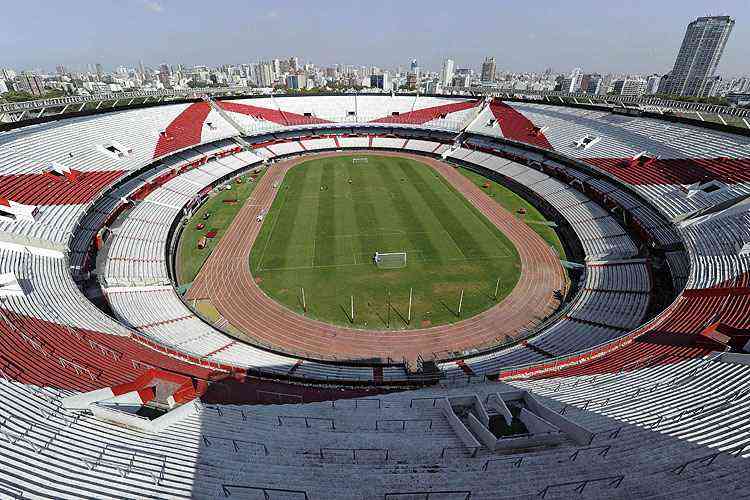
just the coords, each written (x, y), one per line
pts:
(391, 260)
(360, 160)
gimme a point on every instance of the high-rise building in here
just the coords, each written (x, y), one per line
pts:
(699, 56)
(99, 71)
(446, 75)
(7, 74)
(380, 81)
(576, 78)
(462, 78)
(488, 69)
(26, 82)
(606, 85)
(164, 74)
(590, 83)
(296, 82)
(414, 70)
(630, 87)
(652, 84)
(265, 74)
(412, 81)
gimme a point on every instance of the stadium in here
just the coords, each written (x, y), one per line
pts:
(195, 301)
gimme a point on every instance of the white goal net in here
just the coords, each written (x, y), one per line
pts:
(359, 160)
(392, 260)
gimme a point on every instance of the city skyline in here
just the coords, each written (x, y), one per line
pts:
(158, 31)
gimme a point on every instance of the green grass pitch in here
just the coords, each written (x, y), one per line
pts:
(330, 216)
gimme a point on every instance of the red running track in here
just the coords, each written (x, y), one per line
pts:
(227, 282)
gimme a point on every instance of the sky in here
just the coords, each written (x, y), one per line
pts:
(628, 36)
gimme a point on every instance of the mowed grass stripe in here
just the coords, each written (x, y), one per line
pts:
(486, 232)
(452, 224)
(300, 247)
(409, 219)
(325, 227)
(287, 247)
(365, 215)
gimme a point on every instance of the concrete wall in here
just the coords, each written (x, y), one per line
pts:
(534, 424)
(579, 434)
(474, 403)
(122, 418)
(486, 437)
(464, 434)
(496, 403)
(735, 357)
(529, 441)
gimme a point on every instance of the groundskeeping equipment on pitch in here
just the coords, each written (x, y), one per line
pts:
(390, 260)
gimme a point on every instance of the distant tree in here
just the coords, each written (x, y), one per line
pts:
(722, 101)
(16, 96)
(20, 96)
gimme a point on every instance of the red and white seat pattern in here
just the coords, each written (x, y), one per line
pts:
(668, 416)
(264, 114)
(668, 163)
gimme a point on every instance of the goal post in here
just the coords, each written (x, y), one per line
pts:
(390, 260)
(360, 160)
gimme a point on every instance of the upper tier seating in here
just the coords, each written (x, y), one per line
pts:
(98, 150)
(684, 157)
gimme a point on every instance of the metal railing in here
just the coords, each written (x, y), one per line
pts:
(403, 422)
(209, 440)
(307, 420)
(354, 451)
(226, 489)
(612, 482)
(198, 93)
(464, 494)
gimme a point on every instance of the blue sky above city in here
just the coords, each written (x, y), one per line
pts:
(628, 36)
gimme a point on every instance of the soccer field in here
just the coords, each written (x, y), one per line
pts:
(331, 215)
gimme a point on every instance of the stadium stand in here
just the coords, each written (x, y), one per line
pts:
(638, 401)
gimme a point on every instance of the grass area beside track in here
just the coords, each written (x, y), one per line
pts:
(190, 258)
(513, 203)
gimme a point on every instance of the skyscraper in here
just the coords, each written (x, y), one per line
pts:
(699, 56)
(380, 81)
(652, 84)
(30, 83)
(414, 68)
(573, 84)
(446, 75)
(488, 69)
(265, 74)
(164, 74)
(630, 87)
